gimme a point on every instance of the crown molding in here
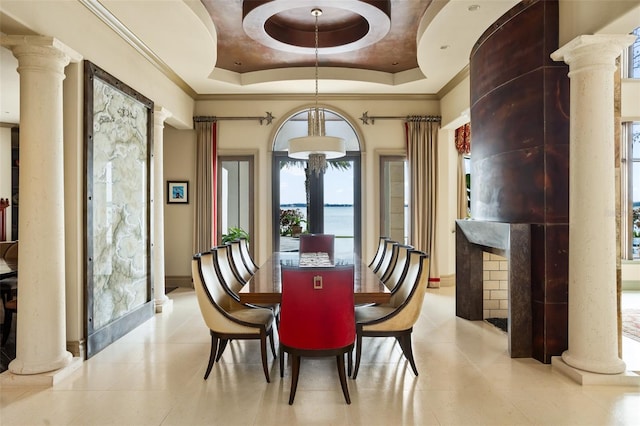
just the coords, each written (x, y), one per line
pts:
(323, 97)
(457, 79)
(129, 37)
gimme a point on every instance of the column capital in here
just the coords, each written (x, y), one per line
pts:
(160, 114)
(39, 44)
(593, 49)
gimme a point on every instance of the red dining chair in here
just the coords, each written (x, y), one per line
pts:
(317, 318)
(317, 243)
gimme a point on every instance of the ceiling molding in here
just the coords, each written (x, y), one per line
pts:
(457, 79)
(130, 38)
(323, 97)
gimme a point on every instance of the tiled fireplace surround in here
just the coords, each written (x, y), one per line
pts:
(512, 241)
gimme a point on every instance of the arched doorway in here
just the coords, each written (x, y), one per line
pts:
(325, 203)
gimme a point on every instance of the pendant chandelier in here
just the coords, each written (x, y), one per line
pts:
(316, 147)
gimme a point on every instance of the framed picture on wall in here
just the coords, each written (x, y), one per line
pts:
(177, 192)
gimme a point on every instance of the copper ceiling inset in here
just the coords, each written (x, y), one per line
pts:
(347, 25)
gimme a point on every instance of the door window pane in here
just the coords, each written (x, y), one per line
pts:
(394, 196)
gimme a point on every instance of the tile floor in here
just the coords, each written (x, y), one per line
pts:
(154, 376)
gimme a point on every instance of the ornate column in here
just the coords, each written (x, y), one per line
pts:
(593, 335)
(40, 336)
(162, 302)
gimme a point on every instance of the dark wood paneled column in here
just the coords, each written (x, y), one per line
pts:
(520, 153)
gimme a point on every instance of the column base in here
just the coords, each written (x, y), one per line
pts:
(627, 378)
(164, 305)
(9, 379)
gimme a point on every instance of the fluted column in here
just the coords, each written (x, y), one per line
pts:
(161, 300)
(593, 332)
(40, 335)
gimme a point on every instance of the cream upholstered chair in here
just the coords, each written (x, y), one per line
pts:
(379, 253)
(227, 318)
(397, 318)
(228, 276)
(397, 268)
(246, 255)
(231, 282)
(390, 252)
(238, 262)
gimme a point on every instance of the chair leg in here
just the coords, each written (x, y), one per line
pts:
(358, 353)
(221, 348)
(212, 355)
(350, 362)
(343, 378)
(281, 353)
(295, 372)
(263, 352)
(405, 344)
(273, 347)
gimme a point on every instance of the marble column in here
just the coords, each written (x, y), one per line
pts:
(40, 335)
(593, 335)
(162, 302)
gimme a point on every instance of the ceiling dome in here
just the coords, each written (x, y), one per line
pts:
(345, 26)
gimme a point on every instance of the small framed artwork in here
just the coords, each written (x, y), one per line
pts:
(177, 192)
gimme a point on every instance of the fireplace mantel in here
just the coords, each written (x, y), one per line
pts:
(513, 241)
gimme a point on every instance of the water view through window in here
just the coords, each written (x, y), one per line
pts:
(338, 204)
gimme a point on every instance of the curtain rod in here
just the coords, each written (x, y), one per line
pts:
(211, 118)
(366, 118)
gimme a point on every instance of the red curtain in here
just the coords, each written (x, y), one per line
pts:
(463, 139)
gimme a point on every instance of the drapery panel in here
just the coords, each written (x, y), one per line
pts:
(205, 226)
(422, 157)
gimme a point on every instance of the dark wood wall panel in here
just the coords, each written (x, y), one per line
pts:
(520, 153)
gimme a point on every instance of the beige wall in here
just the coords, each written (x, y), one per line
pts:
(251, 138)
(578, 17)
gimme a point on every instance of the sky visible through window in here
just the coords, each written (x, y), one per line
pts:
(338, 186)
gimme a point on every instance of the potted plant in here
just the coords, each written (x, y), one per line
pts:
(234, 233)
(291, 222)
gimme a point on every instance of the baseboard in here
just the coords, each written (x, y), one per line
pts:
(77, 348)
(178, 281)
(448, 280)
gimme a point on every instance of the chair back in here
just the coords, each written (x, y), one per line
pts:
(238, 262)
(224, 268)
(398, 268)
(246, 255)
(317, 309)
(390, 251)
(211, 296)
(11, 254)
(379, 253)
(317, 243)
(410, 295)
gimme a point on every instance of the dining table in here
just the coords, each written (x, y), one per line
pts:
(265, 287)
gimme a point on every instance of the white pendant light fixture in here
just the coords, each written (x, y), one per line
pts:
(316, 147)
